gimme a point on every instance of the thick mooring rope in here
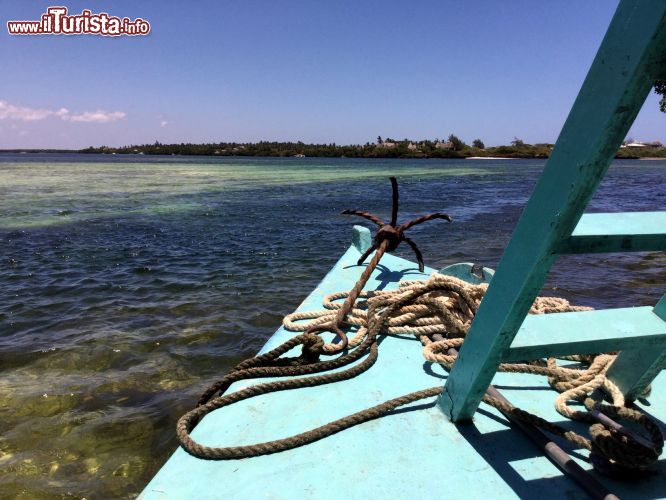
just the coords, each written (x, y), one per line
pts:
(439, 312)
(441, 306)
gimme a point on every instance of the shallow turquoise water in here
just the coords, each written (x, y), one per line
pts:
(131, 283)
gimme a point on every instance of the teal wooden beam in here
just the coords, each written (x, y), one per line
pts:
(361, 238)
(607, 104)
(634, 369)
(587, 332)
(618, 232)
(660, 72)
(658, 68)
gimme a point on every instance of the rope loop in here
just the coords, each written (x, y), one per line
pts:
(439, 312)
(313, 347)
(621, 452)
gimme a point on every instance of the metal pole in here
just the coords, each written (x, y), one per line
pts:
(556, 454)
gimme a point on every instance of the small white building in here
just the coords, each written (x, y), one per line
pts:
(642, 144)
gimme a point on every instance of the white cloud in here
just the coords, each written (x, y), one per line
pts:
(98, 116)
(11, 112)
(164, 123)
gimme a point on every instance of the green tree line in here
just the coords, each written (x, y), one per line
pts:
(453, 147)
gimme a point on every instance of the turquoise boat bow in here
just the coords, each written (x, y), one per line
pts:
(457, 446)
(414, 452)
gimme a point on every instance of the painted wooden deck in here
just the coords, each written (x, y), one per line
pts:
(415, 452)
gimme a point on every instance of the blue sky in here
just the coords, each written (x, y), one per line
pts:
(318, 71)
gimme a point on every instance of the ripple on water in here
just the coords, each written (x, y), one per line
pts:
(129, 285)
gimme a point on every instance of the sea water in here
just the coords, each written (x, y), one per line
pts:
(130, 283)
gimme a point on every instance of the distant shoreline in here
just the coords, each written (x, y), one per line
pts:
(388, 149)
(77, 152)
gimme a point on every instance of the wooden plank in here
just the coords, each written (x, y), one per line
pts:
(635, 369)
(361, 238)
(607, 104)
(660, 72)
(618, 232)
(587, 332)
(658, 69)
